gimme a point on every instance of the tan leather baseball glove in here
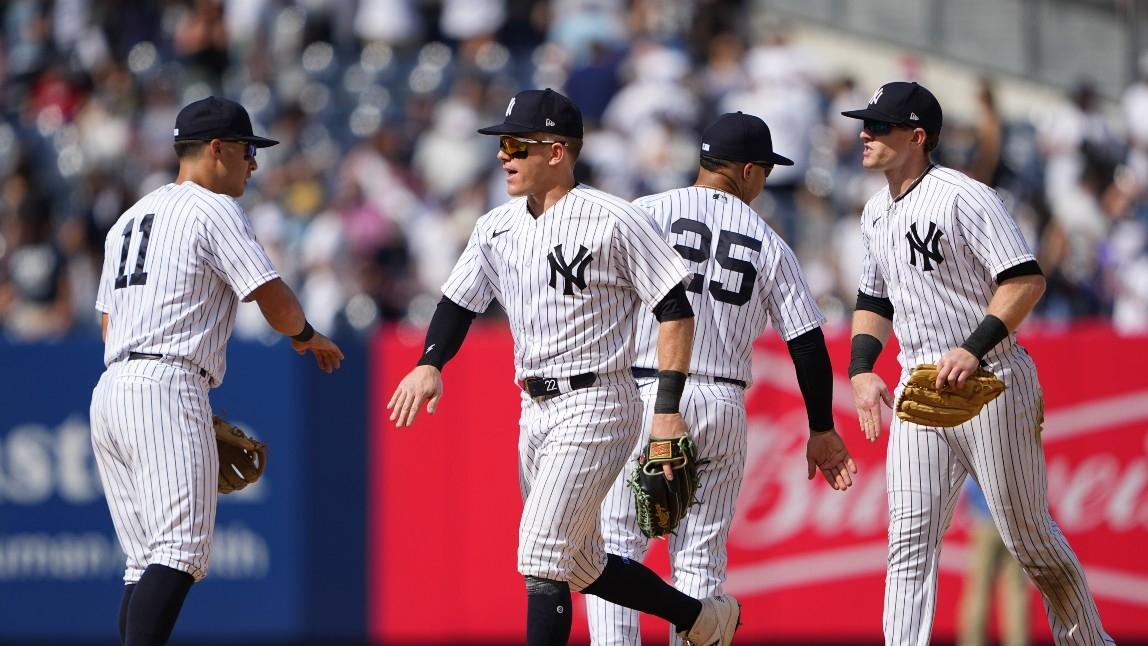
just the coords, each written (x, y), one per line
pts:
(241, 458)
(921, 403)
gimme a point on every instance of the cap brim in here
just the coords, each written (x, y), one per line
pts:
(777, 159)
(260, 142)
(506, 129)
(871, 114)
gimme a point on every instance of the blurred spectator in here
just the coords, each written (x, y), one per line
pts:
(985, 164)
(35, 301)
(201, 42)
(381, 176)
(1135, 107)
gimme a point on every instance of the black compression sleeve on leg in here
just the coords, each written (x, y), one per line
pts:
(445, 334)
(814, 377)
(863, 354)
(548, 612)
(155, 605)
(124, 603)
(633, 585)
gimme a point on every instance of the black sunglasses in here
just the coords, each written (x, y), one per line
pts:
(881, 127)
(516, 146)
(249, 153)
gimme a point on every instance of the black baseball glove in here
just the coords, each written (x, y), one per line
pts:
(661, 503)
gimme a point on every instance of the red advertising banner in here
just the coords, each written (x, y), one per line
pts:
(806, 562)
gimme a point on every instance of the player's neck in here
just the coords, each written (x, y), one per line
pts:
(199, 175)
(718, 182)
(539, 203)
(904, 177)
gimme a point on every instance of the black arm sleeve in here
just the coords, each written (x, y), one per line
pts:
(882, 306)
(675, 306)
(448, 327)
(1028, 268)
(815, 377)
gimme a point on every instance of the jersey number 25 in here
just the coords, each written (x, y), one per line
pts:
(700, 254)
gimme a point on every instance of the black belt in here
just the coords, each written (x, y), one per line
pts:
(547, 387)
(132, 356)
(650, 373)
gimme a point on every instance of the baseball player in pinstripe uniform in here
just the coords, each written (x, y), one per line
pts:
(743, 276)
(175, 266)
(571, 266)
(947, 271)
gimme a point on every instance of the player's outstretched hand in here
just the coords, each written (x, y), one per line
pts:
(667, 426)
(955, 367)
(826, 452)
(423, 384)
(327, 354)
(869, 391)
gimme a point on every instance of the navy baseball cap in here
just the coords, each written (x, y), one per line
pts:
(903, 104)
(539, 111)
(216, 118)
(742, 138)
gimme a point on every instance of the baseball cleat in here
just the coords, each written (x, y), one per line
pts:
(720, 617)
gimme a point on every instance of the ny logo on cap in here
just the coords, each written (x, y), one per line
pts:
(877, 95)
(510, 106)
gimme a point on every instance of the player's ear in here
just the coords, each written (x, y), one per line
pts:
(558, 153)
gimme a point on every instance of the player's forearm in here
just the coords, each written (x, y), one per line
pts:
(1015, 298)
(873, 324)
(675, 344)
(870, 333)
(814, 377)
(446, 332)
(280, 307)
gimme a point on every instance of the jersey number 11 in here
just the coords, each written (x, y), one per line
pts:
(139, 276)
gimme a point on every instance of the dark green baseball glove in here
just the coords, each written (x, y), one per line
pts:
(661, 503)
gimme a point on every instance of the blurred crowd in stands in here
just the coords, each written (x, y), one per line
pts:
(380, 176)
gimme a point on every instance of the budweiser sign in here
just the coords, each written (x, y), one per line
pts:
(807, 562)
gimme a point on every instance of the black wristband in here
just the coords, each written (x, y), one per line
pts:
(306, 334)
(671, 384)
(863, 354)
(990, 332)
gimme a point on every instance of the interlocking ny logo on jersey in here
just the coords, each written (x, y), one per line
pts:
(928, 247)
(574, 271)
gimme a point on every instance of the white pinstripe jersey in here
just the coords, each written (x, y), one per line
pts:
(935, 254)
(570, 280)
(744, 275)
(175, 266)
